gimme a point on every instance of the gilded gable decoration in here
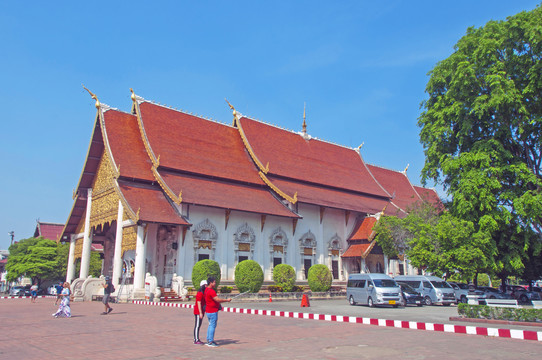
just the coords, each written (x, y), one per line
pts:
(129, 238)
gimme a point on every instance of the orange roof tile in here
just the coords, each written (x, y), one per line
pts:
(364, 229)
(397, 185)
(152, 204)
(126, 145)
(290, 155)
(430, 195)
(334, 198)
(192, 144)
(226, 195)
(357, 250)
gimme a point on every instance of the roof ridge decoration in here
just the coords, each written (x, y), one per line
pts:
(154, 160)
(237, 123)
(292, 200)
(100, 114)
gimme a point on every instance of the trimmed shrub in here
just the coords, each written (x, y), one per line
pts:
(248, 276)
(297, 288)
(203, 269)
(499, 313)
(319, 278)
(284, 276)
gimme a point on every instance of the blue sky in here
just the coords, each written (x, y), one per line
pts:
(361, 67)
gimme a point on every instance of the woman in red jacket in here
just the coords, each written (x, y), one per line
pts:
(199, 311)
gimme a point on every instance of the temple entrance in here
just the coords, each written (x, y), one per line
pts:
(166, 255)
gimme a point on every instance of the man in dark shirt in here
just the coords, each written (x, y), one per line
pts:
(59, 288)
(108, 289)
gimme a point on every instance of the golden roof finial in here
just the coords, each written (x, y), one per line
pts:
(304, 117)
(93, 96)
(361, 145)
(133, 96)
(404, 171)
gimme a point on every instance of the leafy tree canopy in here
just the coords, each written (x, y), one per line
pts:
(33, 257)
(481, 129)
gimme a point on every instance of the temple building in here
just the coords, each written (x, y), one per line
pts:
(162, 189)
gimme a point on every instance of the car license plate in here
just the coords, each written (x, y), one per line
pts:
(392, 302)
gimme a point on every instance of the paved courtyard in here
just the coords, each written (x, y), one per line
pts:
(150, 332)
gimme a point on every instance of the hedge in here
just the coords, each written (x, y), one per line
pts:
(319, 278)
(248, 276)
(284, 276)
(203, 269)
(499, 313)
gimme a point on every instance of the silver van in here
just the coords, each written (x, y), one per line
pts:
(433, 289)
(373, 289)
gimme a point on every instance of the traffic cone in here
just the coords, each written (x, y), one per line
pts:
(270, 300)
(305, 301)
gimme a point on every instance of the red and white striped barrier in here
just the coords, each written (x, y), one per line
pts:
(449, 328)
(27, 297)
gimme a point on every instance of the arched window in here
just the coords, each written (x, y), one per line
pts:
(205, 236)
(243, 241)
(334, 256)
(278, 244)
(307, 250)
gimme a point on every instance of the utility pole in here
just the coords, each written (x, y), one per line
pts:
(12, 234)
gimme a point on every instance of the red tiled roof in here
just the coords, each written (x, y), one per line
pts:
(192, 144)
(126, 145)
(357, 250)
(364, 229)
(316, 161)
(97, 247)
(334, 198)
(430, 195)
(152, 204)
(48, 230)
(396, 184)
(215, 193)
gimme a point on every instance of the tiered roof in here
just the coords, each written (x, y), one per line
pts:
(161, 157)
(319, 172)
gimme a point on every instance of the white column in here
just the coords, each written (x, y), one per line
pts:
(87, 240)
(140, 257)
(70, 273)
(386, 265)
(341, 270)
(117, 255)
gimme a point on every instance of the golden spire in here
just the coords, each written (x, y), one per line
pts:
(404, 171)
(304, 117)
(93, 96)
(233, 110)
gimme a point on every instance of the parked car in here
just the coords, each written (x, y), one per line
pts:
(433, 289)
(492, 293)
(461, 291)
(410, 296)
(521, 294)
(373, 289)
(16, 291)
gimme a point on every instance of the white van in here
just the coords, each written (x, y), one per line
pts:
(433, 289)
(373, 289)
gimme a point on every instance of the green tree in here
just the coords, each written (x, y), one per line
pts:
(481, 133)
(438, 242)
(95, 265)
(33, 257)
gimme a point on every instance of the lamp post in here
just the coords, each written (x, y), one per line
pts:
(12, 234)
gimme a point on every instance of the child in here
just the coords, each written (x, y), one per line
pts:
(199, 311)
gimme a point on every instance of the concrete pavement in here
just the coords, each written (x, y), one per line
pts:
(145, 332)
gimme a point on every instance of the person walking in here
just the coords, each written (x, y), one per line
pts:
(108, 289)
(199, 311)
(212, 305)
(34, 292)
(59, 288)
(64, 308)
